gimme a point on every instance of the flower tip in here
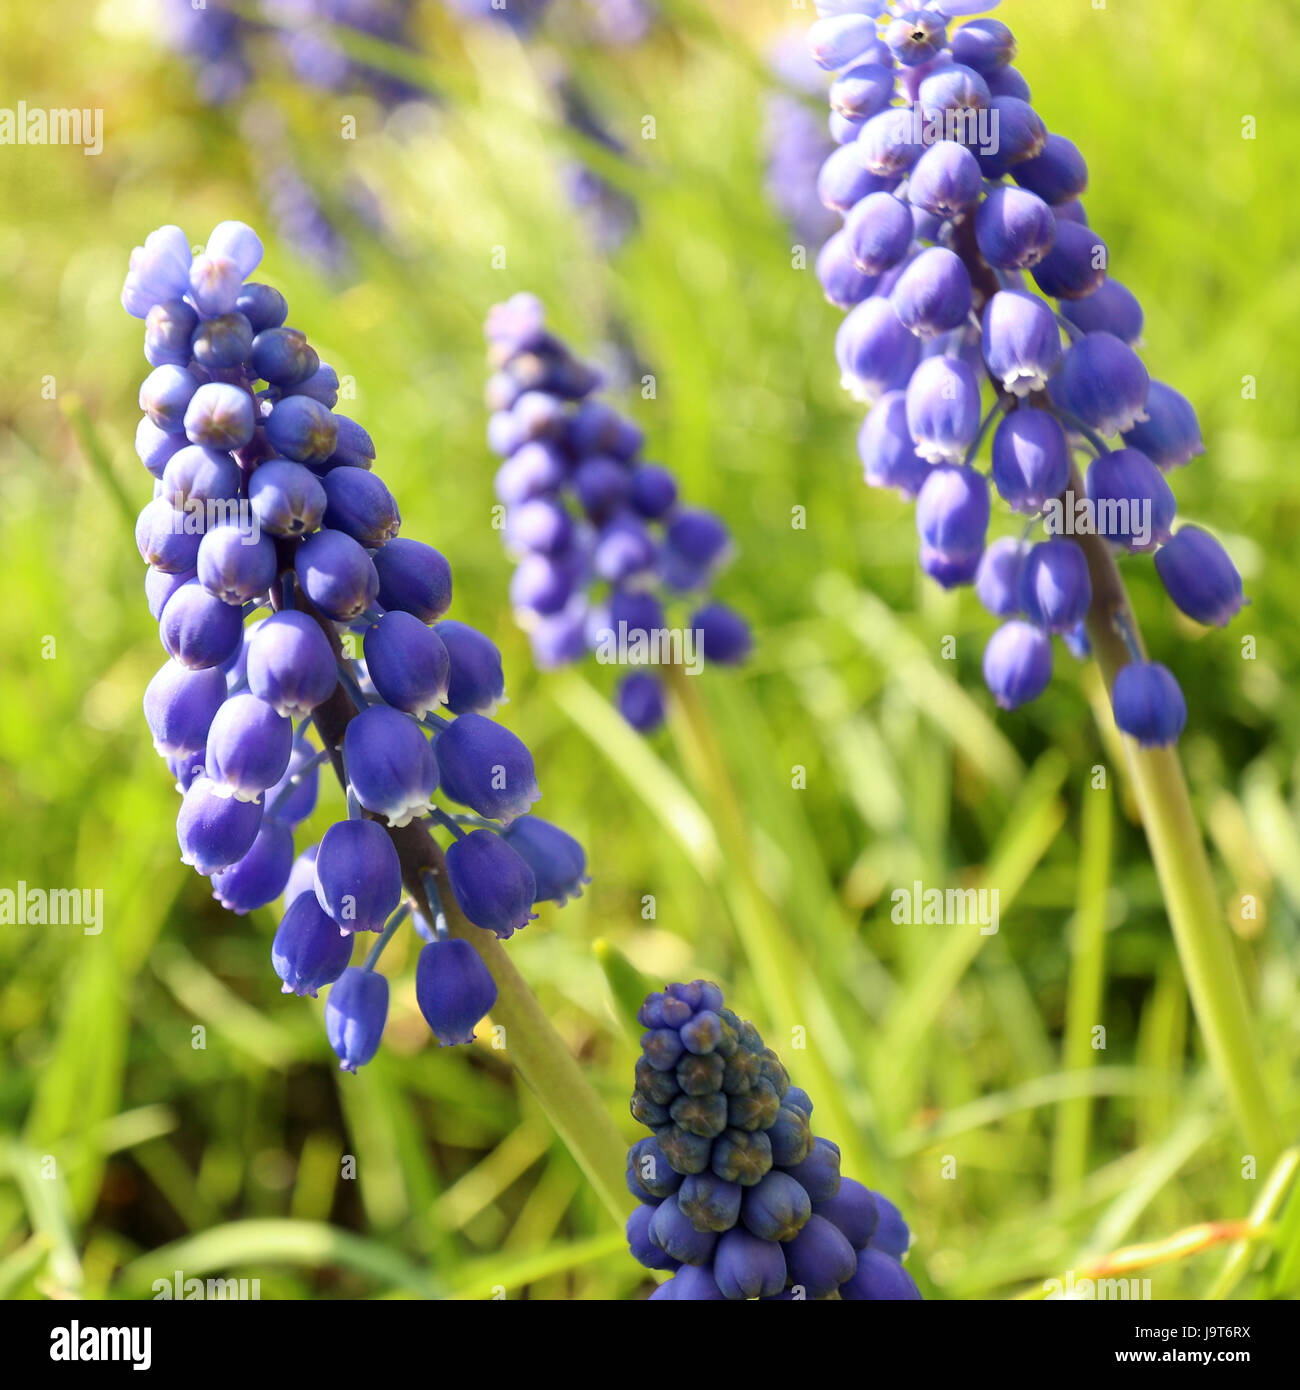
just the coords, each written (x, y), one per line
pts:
(404, 815)
(520, 807)
(571, 890)
(1231, 609)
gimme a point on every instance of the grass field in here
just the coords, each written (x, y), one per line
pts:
(162, 1105)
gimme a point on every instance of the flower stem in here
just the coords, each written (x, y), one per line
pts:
(546, 1065)
(1086, 989)
(389, 931)
(452, 823)
(537, 1051)
(1204, 946)
(995, 410)
(781, 973)
(350, 684)
(294, 782)
(1201, 935)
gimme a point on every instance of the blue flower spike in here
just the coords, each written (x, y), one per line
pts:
(979, 305)
(606, 551)
(301, 628)
(738, 1197)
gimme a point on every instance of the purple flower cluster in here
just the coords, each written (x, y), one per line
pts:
(796, 144)
(220, 40)
(970, 279)
(795, 141)
(317, 58)
(302, 220)
(265, 498)
(608, 214)
(602, 542)
(738, 1197)
(214, 41)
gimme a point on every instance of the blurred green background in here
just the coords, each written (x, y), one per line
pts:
(940, 1059)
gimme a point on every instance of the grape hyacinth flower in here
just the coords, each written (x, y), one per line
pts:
(558, 862)
(607, 213)
(214, 39)
(270, 502)
(1200, 578)
(796, 145)
(604, 546)
(453, 989)
(1149, 704)
(356, 1010)
(319, 60)
(304, 221)
(738, 1197)
(797, 148)
(225, 45)
(978, 302)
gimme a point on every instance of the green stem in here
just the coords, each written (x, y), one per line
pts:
(385, 936)
(1204, 945)
(1209, 961)
(779, 969)
(542, 1059)
(1201, 934)
(537, 1051)
(1087, 977)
